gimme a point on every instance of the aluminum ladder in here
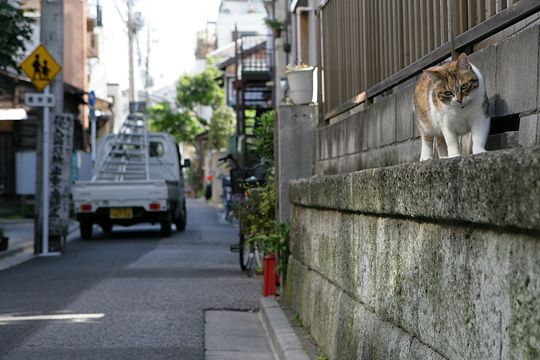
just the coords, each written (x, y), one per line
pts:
(127, 157)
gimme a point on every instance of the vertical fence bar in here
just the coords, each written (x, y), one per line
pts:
(341, 84)
(430, 26)
(423, 31)
(328, 48)
(324, 50)
(354, 45)
(359, 45)
(374, 65)
(417, 38)
(365, 49)
(405, 32)
(410, 32)
(389, 39)
(437, 23)
(461, 16)
(398, 15)
(471, 14)
(481, 10)
(383, 33)
(347, 34)
(344, 64)
(444, 21)
(378, 40)
(391, 44)
(491, 8)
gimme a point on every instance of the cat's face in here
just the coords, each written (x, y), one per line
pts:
(454, 84)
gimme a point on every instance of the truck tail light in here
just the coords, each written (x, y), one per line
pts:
(154, 206)
(86, 207)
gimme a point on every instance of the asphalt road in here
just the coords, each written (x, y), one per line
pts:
(126, 295)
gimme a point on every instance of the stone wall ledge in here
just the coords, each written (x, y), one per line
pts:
(499, 188)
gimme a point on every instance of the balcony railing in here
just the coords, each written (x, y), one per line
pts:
(254, 57)
(369, 46)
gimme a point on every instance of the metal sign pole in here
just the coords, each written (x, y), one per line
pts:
(92, 103)
(93, 125)
(45, 178)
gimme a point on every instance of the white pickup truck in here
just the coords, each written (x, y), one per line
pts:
(158, 199)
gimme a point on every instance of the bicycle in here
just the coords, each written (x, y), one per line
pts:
(240, 184)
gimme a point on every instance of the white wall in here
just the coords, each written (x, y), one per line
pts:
(247, 15)
(25, 172)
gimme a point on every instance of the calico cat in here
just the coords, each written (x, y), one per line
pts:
(451, 100)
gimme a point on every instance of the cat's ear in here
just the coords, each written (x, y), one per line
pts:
(434, 73)
(463, 62)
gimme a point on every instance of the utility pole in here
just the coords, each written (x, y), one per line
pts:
(147, 78)
(132, 32)
(52, 37)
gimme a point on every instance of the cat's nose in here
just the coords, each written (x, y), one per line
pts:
(459, 100)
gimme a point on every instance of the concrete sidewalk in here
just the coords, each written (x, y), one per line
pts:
(21, 240)
(266, 335)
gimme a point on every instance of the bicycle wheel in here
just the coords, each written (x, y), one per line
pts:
(243, 252)
(255, 260)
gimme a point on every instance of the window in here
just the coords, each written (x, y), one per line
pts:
(156, 149)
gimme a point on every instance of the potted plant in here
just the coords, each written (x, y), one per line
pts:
(275, 25)
(3, 239)
(302, 81)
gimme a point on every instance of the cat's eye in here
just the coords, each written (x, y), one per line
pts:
(448, 93)
(465, 86)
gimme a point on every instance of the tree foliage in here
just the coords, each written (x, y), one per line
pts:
(222, 126)
(264, 135)
(184, 126)
(200, 89)
(16, 30)
(204, 89)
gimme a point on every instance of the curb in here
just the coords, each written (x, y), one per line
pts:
(29, 245)
(19, 249)
(280, 332)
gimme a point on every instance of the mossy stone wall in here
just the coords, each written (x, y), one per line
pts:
(431, 260)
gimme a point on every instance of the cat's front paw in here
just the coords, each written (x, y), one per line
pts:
(454, 155)
(424, 158)
(478, 151)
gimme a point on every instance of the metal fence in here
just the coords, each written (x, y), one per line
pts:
(368, 46)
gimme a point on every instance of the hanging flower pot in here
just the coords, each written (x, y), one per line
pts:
(302, 81)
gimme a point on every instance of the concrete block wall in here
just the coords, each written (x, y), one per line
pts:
(385, 133)
(431, 260)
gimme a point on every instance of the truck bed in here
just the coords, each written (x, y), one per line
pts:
(123, 194)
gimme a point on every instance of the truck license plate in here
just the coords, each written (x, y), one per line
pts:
(121, 213)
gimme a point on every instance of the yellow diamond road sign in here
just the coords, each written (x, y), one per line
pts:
(41, 67)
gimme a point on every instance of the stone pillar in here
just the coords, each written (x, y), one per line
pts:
(295, 150)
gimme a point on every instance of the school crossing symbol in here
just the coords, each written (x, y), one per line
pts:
(41, 67)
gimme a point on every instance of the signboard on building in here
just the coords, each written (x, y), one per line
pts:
(41, 67)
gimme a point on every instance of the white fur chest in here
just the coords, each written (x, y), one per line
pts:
(456, 117)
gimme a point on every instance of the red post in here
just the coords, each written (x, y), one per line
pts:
(269, 288)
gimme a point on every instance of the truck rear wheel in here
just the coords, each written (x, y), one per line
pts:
(106, 227)
(86, 230)
(182, 219)
(166, 225)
